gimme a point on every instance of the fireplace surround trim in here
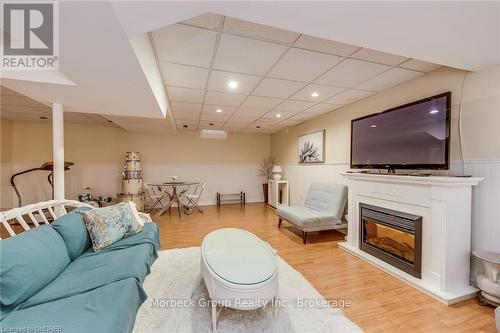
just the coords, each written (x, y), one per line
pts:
(445, 206)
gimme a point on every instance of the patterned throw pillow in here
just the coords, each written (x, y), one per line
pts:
(108, 225)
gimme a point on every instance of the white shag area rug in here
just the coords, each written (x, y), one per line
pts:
(176, 277)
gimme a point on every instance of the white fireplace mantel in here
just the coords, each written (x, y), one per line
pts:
(445, 206)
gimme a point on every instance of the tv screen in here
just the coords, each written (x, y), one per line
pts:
(411, 136)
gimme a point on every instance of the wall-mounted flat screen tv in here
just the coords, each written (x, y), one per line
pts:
(410, 136)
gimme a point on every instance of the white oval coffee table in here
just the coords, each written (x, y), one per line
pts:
(239, 269)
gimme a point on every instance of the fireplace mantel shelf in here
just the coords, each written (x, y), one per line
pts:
(417, 180)
(444, 203)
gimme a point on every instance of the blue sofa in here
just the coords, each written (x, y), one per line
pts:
(51, 277)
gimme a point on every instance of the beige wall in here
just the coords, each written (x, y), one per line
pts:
(32, 142)
(98, 153)
(481, 115)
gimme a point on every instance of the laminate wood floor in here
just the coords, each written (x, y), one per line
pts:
(379, 301)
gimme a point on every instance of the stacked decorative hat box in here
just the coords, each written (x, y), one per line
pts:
(132, 187)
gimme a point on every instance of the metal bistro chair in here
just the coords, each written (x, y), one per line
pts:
(192, 199)
(156, 194)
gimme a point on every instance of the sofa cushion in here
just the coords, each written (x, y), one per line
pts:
(110, 308)
(28, 262)
(73, 231)
(328, 197)
(107, 225)
(305, 216)
(129, 258)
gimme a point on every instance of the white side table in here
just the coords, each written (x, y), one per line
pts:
(275, 187)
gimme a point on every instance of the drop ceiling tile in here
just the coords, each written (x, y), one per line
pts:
(325, 45)
(185, 95)
(293, 106)
(303, 65)
(188, 129)
(348, 96)
(302, 116)
(221, 98)
(265, 103)
(251, 131)
(212, 109)
(25, 110)
(323, 91)
(186, 107)
(186, 115)
(266, 122)
(259, 31)
(234, 125)
(214, 117)
(388, 79)
(244, 55)
(20, 100)
(277, 88)
(322, 108)
(209, 124)
(247, 110)
(207, 21)
(219, 82)
(183, 76)
(418, 65)
(24, 117)
(183, 44)
(78, 118)
(290, 122)
(274, 115)
(351, 72)
(379, 57)
(191, 124)
(243, 118)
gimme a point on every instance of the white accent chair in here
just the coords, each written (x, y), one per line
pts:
(192, 199)
(155, 194)
(323, 209)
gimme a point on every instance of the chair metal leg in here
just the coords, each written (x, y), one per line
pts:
(279, 222)
(304, 236)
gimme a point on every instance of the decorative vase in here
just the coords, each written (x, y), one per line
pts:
(264, 191)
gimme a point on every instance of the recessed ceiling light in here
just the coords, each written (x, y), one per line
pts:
(211, 124)
(315, 94)
(44, 118)
(433, 111)
(257, 126)
(373, 126)
(110, 121)
(218, 110)
(185, 126)
(278, 115)
(232, 84)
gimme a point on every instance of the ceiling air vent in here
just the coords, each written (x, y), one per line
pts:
(212, 134)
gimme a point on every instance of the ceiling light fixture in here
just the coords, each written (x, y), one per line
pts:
(218, 111)
(315, 94)
(278, 115)
(232, 84)
(434, 111)
(373, 126)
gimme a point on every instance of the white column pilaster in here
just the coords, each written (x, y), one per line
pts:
(58, 149)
